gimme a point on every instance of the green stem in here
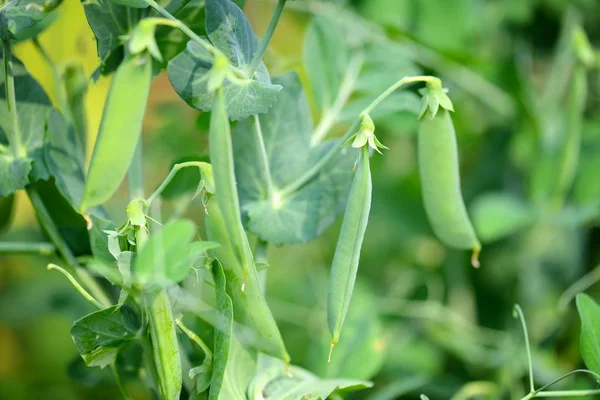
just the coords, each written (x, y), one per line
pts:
(72, 265)
(170, 177)
(119, 382)
(264, 158)
(11, 100)
(176, 23)
(264, 43)
(316, 168)
(61, 95)
(346, 88)
(77, 286)
(581, 285)
(528, 348)
(562, 393)
(43, 248)
(194, 338)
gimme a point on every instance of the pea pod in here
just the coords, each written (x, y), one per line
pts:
(120, 130)
(251, 312)
(164, 345)
(347, 251)
(221, 156)
(440, 182)
(161, 325)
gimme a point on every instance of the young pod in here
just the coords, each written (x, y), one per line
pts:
(440, 182)
(347, 251)
(120, 130)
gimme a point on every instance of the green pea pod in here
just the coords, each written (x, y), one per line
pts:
(221, 156)
(120, 130)
(256, 326)
(571, 147)
(440, 182)
(164, 345)
(347, 251)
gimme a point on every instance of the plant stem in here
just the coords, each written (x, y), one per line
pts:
(581, 285)
(194, 338)
(42, 248)
(346, 88)
(61, 95)
(528, 348)
(72, 265)
(316, 168)
(264, 158)
(77, 286)
(264, 43)
(119, 382)
(11, 101)
(170, 177)
(136, 177)
(562, 393)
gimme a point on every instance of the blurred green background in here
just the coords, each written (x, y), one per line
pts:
(421, 320)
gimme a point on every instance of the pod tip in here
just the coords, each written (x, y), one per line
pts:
(475, 258)
(287, 369)
(88, 221)
(330, 351)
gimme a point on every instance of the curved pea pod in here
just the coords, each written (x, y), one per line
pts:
(347, 251)
(255, 326)
(120, 130)
(165, 345)
(440, 182)
(221, 156)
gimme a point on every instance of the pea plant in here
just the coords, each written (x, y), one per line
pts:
(181, 304)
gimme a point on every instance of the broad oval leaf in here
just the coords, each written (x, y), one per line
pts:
(19, 18)
(228, 30)
(271, 382)
(286, 132)
(589, 312)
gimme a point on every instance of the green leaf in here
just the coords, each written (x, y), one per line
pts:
(19, 18)
(172, 41)
(589, 312)
(223, 333)
(110, 23)
(14, 173)
(168, 256)
(132, 3)
(286, 131)
(100, 335)
(271, 382)
(241, 365)
(498, 215)
(326, 58)
(99, 239)
(229, 31)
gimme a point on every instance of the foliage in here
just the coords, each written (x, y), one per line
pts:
(286, 232)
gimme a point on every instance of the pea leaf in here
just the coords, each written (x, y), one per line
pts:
(497, 215)
(110, 23)
(13, 173)
(286, 131)
(99, 239)
(99, 336)
(589, 312)
(169, 254)
(19, 18)
(229, 31)
(223, 333)
(271, 382)
(326, 59)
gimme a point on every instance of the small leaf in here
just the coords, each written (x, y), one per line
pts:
(589, 312)
(169, 256)
(100, 335)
